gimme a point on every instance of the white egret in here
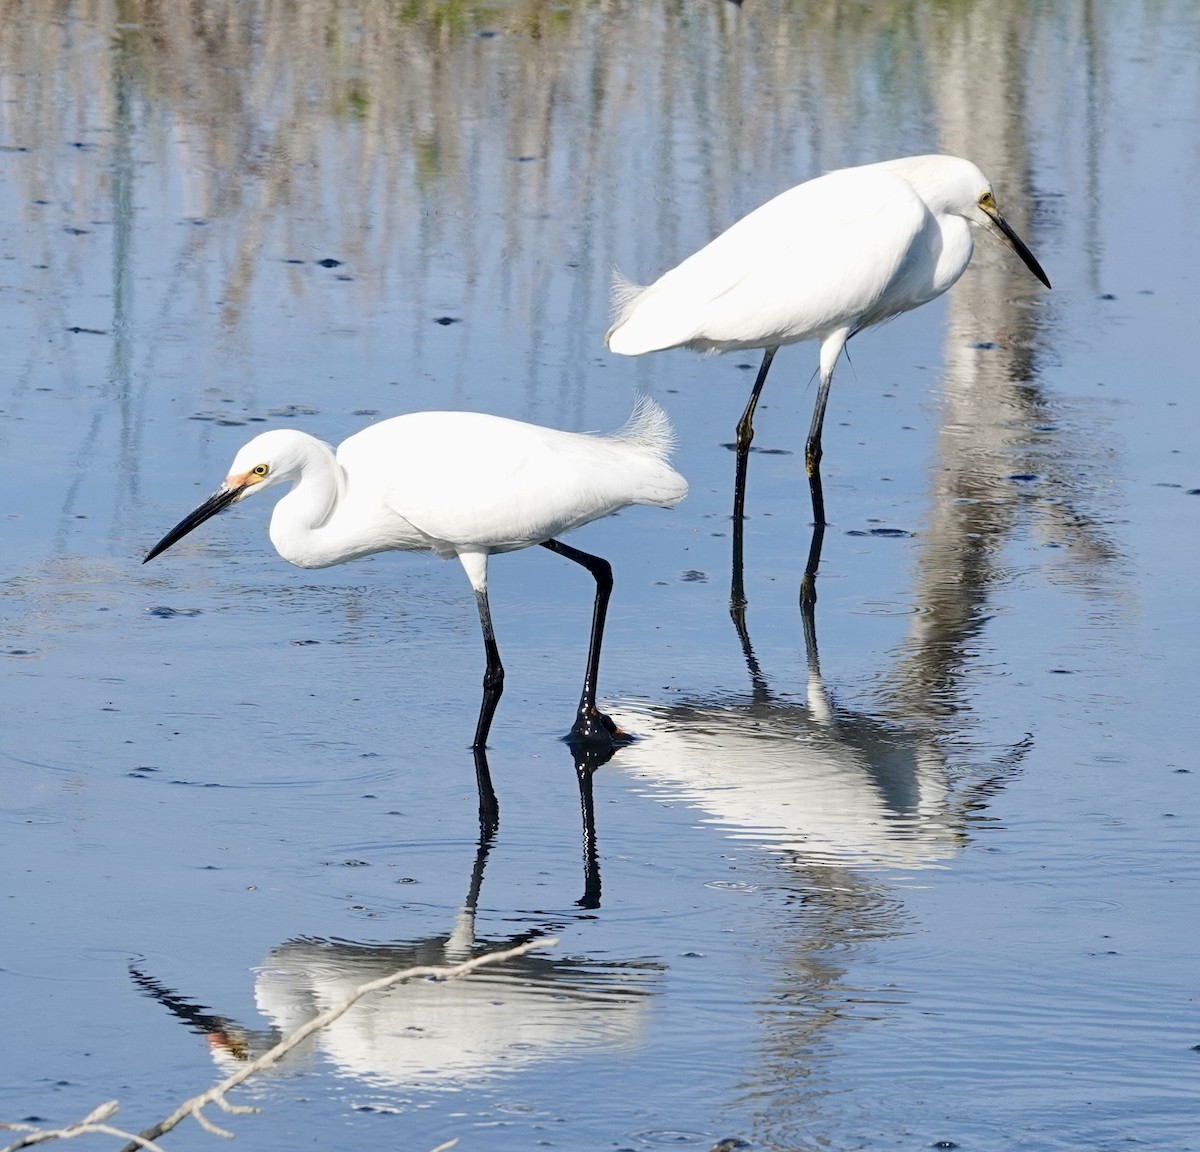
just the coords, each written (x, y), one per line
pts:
(459, 484)
(821, 261)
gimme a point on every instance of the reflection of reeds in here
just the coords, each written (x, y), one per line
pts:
(383, 132)
(1001, 462)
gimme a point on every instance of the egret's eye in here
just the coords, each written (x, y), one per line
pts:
(987, 200)
(261, 469)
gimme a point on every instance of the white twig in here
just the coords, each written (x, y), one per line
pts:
(91, 1124)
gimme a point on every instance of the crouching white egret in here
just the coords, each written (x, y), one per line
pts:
(821, 261)
(459, 484)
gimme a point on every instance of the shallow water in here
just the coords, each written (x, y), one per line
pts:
(925, 874)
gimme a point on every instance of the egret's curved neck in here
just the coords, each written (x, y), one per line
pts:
(957, 246)
(318, 486)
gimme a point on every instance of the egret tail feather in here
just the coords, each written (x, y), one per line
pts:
(649, 428)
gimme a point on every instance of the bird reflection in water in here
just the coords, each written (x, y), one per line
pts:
(430, 1033)
(820, 782)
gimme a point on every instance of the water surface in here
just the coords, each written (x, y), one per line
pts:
(922, 873)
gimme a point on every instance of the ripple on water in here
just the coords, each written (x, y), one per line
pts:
(672, 1138)
(886, 608)
(76, 965)
(369, 770)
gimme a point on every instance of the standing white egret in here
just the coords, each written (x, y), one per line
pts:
(456, 484)
(821, 261)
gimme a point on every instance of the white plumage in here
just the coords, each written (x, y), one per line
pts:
(459, 484)
(821, 261)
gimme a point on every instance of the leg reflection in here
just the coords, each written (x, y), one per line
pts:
(587, 759)
(489, 806)
(808, 583)
(808, 605)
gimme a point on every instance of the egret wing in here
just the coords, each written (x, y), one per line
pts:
(817, 257)
(472, 481)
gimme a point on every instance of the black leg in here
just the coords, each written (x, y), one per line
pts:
(812, 451)
(493, 677)
(591, 725)
(745, 437)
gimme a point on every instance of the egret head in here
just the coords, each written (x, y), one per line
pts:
(273, 458)
(951, 186)
(978, 205)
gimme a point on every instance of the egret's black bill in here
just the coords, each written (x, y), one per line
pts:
(1018, 246)
(217, 502)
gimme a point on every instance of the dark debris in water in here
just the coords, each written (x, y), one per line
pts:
(165, 613)
(330, 262)
(762, 451)
(444, 321)
(289, 410)
(694, 576)
(223, 419)
(78, 331)
(882, 533)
